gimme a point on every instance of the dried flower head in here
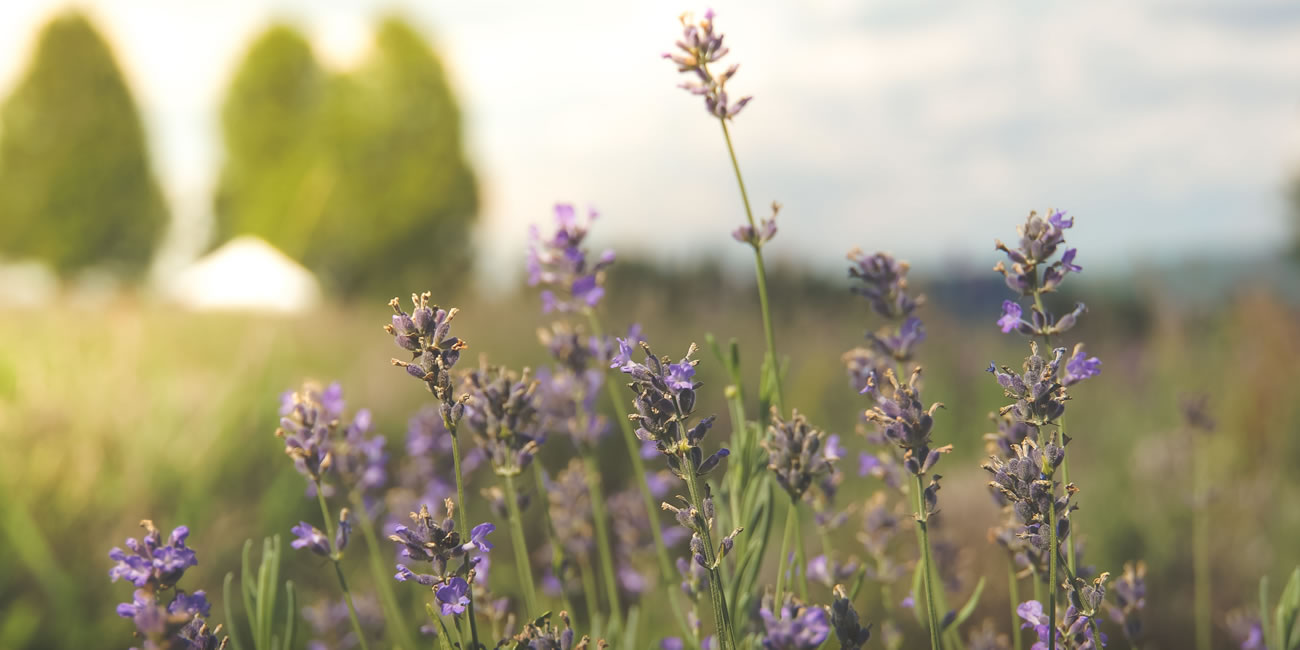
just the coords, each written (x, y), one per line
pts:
(502, 414)
(437, 542)
(797, 454)
(844, 619)
(1039, 391)
(794, 626)
(905, 422)
(699, 46)
(426, 333)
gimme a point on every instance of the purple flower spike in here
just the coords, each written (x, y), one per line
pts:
(453, 596)
(310, 538)
(699, 46)
(151, 561)
(1011, 313)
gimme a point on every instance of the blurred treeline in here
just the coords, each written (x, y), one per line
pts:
(358, 174)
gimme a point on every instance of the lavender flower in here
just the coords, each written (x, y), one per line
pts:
(844, 619)
(570, 508)
(1080, 367)
(1130, 600)
(797, 454)
(426, 333)
(308, 424)
(502, 414)
(155, 568)
(794, 626)
(1039, 392)
(664, 402)
(540, 634)
(882, 280)
(438, 543)
(1039, 241)
(904, 422)
(699, 46)
(757, 236)
(1025, 482)
(560, 263)
(310, 538)
(453, 596)
(567, 404)
(151, 562)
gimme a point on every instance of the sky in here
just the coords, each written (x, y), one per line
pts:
(1169, 129)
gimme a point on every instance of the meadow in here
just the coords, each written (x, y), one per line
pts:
(112, 413)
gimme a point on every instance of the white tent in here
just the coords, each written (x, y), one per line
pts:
(245, 274)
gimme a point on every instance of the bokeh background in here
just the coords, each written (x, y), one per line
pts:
(203, 203)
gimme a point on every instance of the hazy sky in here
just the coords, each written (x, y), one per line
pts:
(926, 128)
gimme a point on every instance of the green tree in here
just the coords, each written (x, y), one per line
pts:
(277, 171)
(76, 189)
(363, 176)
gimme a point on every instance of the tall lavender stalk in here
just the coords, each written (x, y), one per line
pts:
(574, 283)
(309, 425)
(700, 46)
(164, 616)
(426, 334)
(1034, 274)
(664, 403)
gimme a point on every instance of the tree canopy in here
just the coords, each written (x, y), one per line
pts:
(359, 175)
(76, 188)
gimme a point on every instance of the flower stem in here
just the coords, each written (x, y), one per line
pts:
(590, 595)
(557, 553)
(783, 560)
(522, 564)
(338, 568)
(721, 615)
(462, 522)
(392, 611)
(1052, 552)
(600, 517)
(800, 558)
(927, 567)
(1070, 559)
(1013, 588)
(1201, 545)
(760, 275)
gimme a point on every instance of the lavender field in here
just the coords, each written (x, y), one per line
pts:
(624, 449)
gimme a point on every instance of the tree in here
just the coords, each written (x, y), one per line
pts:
(76, 188)
(371, 189)
(276, 166)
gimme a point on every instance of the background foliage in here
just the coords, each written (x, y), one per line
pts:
(76, 188)
(359, 175)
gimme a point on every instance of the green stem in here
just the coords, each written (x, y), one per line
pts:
(1065, 480)
(800, 558)
(557, 553)
(1052, 552)
(603, 546)
(338, 568)
(923, 540)
(1013, 588)
(522, 565)
(382, 578)
(1201, 546)
(782, 560)
(721, 615)
(589, 594)
(760, 275)
(666, 570)
(462, 522)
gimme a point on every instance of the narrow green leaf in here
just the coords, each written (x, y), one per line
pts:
(969, 608)
(290, 614)
(231, 629)
(1270, 637)
(916, 593)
